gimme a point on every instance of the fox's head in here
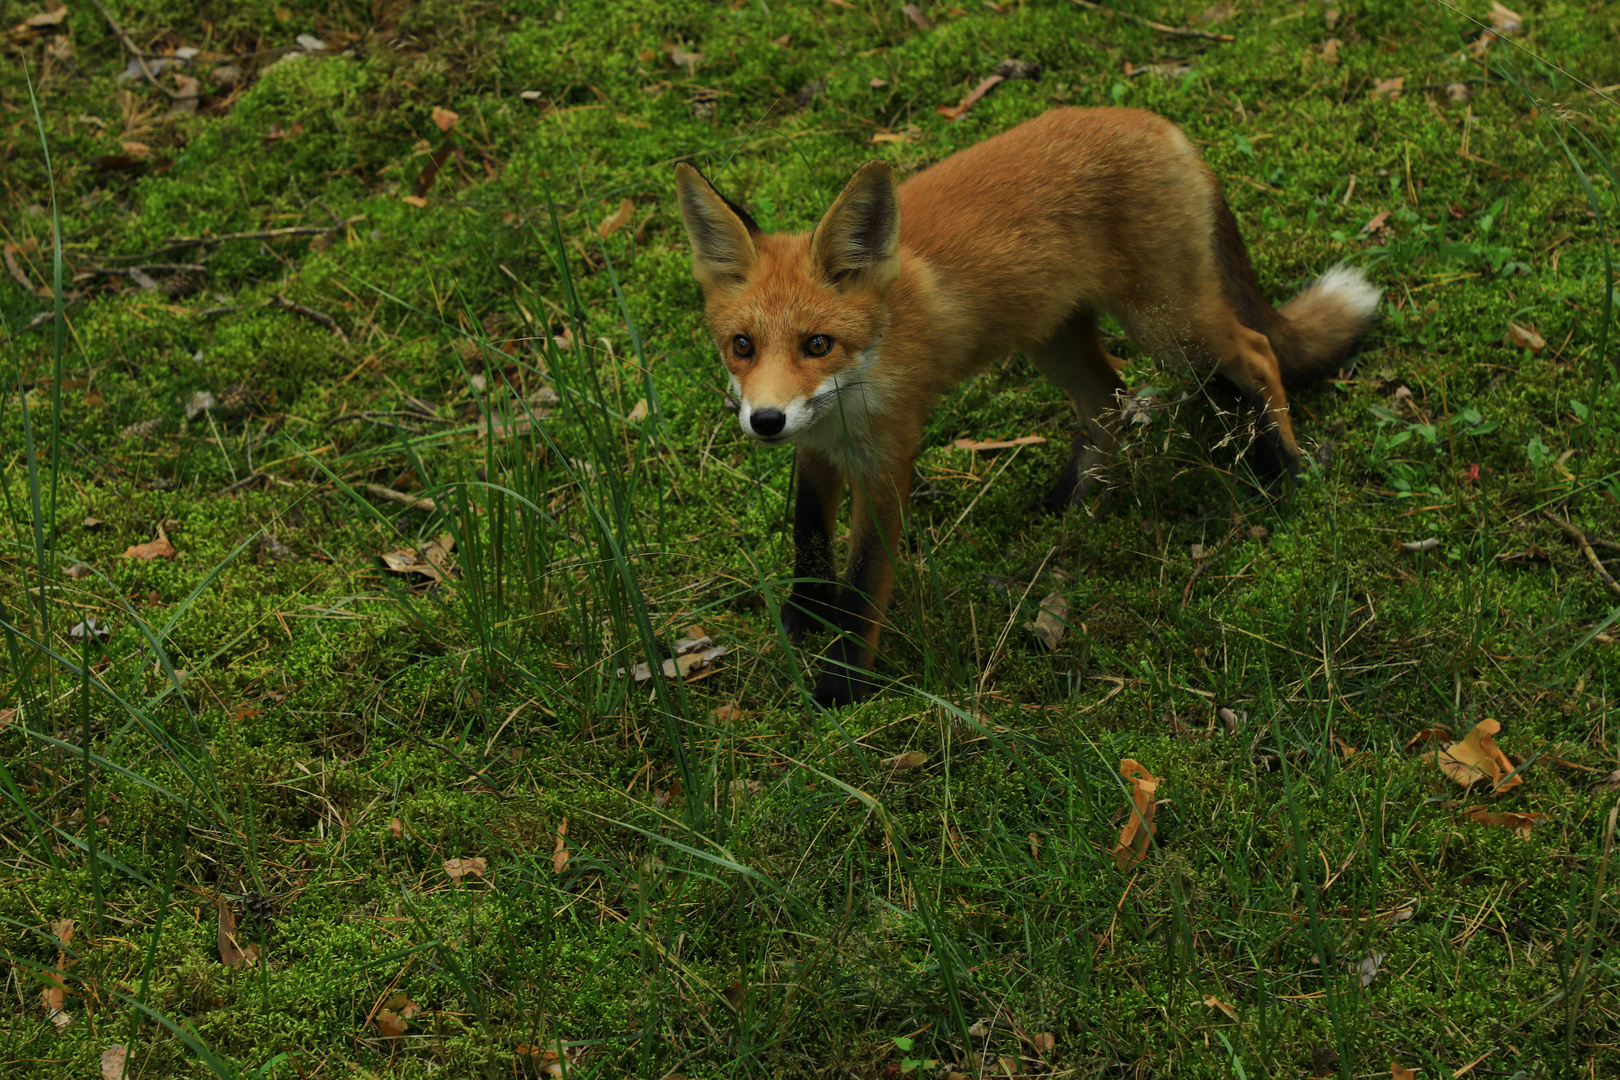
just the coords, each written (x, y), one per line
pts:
(798, 319)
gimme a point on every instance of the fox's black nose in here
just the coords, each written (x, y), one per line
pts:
(768, 422)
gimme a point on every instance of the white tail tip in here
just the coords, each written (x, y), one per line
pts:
(1351, 289)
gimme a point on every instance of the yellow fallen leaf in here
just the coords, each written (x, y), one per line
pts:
(1133, 838)
(1216, 1003)
(460, 868)
(908, 760)
(1477, 758)
(1398, 1073)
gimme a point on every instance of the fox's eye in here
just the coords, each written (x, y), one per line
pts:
(742, 346)
(818, 345)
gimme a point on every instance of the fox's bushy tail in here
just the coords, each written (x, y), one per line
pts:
(1316, 331)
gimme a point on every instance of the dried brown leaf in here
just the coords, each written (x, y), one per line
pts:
(64, 931)
(1505, 20)
(914, 13)
(231, 952)
(1216, 1003)
(1429, 734)
(444, 119)
(1524, 337)
(1521, 824)
(1389, 89)
(390, 1025)
(401, 1003)
(616, 220)
(1396, 1072)
(114, 1062)
(909, 760)
(1133, 838)
(637, 414)
(1477, 758)
(460, 868)
(1052, 621)
(156, 549)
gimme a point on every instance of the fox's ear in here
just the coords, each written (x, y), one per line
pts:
(858, 239)
(720, 232)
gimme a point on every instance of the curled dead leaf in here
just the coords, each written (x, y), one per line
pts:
(1523, 337)
(1396, 1072)
(616, 220)
(1225, 1006)
(444, 119)
(1139, 826)
(156, 549)
(1477, 758)
(390, 1025)
(1052, 621)
(909, 760)
(460, 868)
(559, 854)
(1389, 89)
(1521, 824)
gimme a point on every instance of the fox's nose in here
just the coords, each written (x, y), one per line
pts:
(768, 422)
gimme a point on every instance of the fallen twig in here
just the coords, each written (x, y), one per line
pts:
(134, 50)
(1173, 31)
(310, 313)
(494, 788)
(414, 502)
(1578, 538)
(179, 243)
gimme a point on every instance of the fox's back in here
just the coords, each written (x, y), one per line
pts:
(1055, 213)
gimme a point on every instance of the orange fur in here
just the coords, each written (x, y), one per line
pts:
(1016, 244)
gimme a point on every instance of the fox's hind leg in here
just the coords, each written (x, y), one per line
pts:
(1074, 358)
(1244, 358)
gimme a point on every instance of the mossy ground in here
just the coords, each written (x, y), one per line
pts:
(280, 721)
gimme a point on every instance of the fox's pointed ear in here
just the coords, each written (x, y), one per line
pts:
(858, 240)
(720, 232)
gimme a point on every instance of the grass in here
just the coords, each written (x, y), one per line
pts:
(710, 877)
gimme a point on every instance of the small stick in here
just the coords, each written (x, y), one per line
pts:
(493, 787)
(179, 242)
(1173, 31)
(310, 313)
(1579, 539)
(403, 498)
(140, 57)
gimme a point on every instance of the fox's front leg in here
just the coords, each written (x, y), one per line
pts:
(814, 601)
(874, 544)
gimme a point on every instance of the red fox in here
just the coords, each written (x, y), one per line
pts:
(842, 340)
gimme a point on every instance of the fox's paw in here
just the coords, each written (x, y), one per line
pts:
(803, 615)
(840, 685)
(844, 678)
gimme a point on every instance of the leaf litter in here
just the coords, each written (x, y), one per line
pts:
(695, 651)
(232, 953)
